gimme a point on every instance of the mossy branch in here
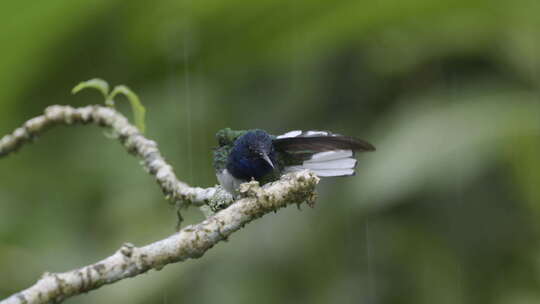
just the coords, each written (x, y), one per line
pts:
(176, 191)
(190, 242)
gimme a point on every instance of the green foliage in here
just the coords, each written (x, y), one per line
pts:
(101, 85)
(138, 109)
(96, 83)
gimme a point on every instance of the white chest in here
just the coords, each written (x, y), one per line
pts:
(227, 181)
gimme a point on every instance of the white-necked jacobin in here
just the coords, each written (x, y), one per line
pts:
(254, 154)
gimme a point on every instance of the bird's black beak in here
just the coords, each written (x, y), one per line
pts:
(267, 159)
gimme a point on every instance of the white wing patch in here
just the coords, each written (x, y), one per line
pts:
(290, 134)
(300, 133)
(317, 133)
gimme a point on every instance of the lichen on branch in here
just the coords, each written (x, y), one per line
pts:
(190, 242)
(129, 136)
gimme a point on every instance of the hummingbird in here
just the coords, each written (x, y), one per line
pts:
(245, 155)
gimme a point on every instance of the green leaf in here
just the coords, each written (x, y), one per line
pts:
(136, 106)
(96, 83)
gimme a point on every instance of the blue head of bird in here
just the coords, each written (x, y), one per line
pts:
(253, 156)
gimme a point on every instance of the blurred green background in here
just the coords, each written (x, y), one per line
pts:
(446, 210)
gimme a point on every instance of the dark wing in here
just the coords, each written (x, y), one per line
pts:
(315, 144)
(323, 152)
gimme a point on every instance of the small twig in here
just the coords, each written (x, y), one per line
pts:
(190, 242)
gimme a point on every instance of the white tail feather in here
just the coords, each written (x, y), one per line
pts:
(334, 172)
(330, 163)
(344, 163)
(322, 172)
(330, 155)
